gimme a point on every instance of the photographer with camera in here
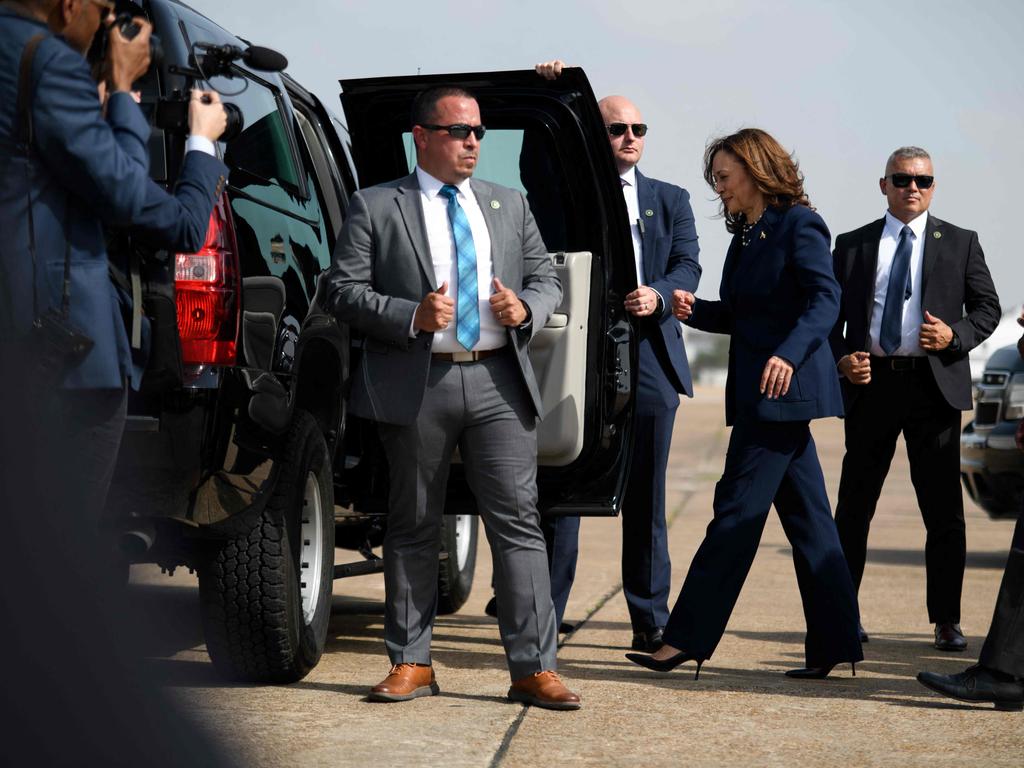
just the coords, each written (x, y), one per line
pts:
(67, 171)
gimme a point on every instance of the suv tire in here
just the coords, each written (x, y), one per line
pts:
(266, 594)
(455, 572)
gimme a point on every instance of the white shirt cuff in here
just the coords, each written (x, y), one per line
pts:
(200, 144)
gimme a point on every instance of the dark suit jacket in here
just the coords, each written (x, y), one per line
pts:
(87, 171)
(383, 269)
(955, 280)
(670, 261)
(778, 297)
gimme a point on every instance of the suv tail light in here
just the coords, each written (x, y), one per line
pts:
(207, 289)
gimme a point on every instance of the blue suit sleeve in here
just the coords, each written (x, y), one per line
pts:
(179, 222)
(711, 317)
(683, 267)
(812, 265)
(104, 164)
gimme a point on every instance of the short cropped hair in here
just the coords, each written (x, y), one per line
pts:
(424, 106)
(906, 153)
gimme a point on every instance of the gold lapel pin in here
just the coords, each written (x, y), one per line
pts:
(936, 235)
(648, 212)
(495, 204)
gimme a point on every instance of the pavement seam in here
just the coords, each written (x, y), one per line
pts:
(513, 729)
(510, 734)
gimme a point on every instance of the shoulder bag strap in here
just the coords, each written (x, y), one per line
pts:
(26, 130)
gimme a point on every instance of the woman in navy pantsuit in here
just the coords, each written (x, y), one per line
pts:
(779, 301)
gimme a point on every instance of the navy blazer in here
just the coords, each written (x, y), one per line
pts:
(670, 262)
(778, 297)
(86, 171)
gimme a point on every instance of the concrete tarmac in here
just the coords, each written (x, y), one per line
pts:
(741, 712)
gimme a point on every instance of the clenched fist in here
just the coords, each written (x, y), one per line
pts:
(436, 311)
(682, 304)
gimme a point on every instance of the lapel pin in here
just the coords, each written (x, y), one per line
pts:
(648, 212)
(936, 235)
(762, 235)
(495, 204)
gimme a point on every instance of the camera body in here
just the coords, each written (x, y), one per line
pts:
(172, 115)
(125, 23)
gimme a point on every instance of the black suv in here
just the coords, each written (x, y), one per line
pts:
(238, 459)
(991, 465)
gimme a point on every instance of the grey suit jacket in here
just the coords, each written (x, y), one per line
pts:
(382, 270)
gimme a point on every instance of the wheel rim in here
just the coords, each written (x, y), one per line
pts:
(311, 553)
(463, 534)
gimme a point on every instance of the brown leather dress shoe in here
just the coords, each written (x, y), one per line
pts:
(543, 689)
(404, 682)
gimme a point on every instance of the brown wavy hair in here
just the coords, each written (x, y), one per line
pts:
(774, 171)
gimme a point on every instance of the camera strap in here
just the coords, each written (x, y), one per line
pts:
(24, 111)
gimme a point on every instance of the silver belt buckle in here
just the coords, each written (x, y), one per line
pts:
(463, 357)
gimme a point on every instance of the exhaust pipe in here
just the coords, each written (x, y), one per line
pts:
(136, 542)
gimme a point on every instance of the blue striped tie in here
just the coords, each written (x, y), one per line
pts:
(467, 316)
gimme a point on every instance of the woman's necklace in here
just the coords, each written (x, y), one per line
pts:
(748, 228)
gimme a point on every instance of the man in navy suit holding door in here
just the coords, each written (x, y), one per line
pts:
(666, 254)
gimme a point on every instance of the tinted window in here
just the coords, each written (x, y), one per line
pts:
(262, 153)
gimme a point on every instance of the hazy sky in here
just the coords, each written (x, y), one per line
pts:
(840, 83)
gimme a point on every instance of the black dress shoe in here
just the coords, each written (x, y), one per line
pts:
(665, 665)
(816, 673)
(863, 635)
(648, 640)
(565, 627)
(978, 684)
(491, 609)
(948, 637)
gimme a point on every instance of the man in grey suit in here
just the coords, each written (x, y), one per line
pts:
(448, 279)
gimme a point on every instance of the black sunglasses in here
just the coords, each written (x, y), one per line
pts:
(458, 130)
(902, 180)
(619, 129)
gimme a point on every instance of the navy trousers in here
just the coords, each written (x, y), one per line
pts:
(1004, 646)
(646, 568)
(562, 538)
(766, 463)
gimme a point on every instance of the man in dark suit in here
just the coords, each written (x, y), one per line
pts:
(917, 298)
(666, 255)
(448, 279)
(998, 677)
(83, 170)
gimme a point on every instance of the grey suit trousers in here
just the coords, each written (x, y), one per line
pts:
(484, 410)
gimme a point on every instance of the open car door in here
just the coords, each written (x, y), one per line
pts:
(548, 140)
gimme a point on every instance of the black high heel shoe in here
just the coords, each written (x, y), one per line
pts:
(665, 665)
(816, 673)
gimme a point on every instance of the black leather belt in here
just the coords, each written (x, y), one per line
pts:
(896, 363)
(465, 357)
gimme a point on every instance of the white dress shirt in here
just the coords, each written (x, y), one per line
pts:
(200, 144)
(441, 243)
(913, 314)
(633, 214)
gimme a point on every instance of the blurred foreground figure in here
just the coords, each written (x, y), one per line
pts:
(998, 677)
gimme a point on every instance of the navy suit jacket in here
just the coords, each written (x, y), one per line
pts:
(670, 261)
(779, 297)
(86, 172)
